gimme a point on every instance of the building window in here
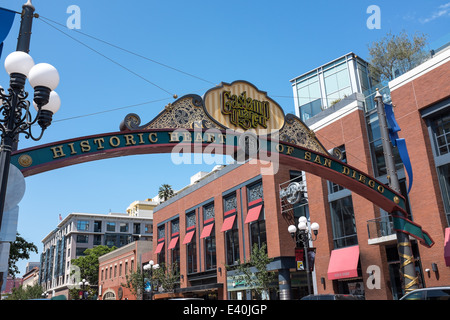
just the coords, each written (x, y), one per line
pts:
(111, 226)
(337, 82)
(343, 221)
(82, 225)
(148, 227)
(441, 134)
(376, 147)
(191, 247)
(136, 228)
(444, 183)
(258, 225)
(82, 238)
(209, 241)
(97, 226)
(123, 227)
(97, 240)
(231, 235)
(210, 251)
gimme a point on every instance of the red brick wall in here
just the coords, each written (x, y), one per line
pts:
(425, 198)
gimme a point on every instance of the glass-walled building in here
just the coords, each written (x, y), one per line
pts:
(330, 83)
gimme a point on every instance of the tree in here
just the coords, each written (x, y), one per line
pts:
(167, 276)
(20, 250)
(135, 282)
(89, 264)
(254, 273)
(396, 52)
(165, 192)
(29, 292)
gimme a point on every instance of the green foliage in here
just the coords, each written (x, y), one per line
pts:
(396, 52)
(254, 273)
(135, 282)
(20, 250)
(165, 192)
(89, 264)
(29, 292)
(167, 276)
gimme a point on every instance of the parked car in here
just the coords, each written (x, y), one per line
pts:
(332, 297)
(433, 293)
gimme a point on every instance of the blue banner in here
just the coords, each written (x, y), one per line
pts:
(399, 143)
(6, 22)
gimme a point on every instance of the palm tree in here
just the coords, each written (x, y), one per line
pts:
(165, 192)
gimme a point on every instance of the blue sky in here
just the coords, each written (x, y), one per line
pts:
(264, 42)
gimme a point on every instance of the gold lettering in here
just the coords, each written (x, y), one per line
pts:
(99, 142)
(317, 160)
(380, 189)
(222, 138)
(174, 137)
(85, 147)
(72, 149)
(289, 150)
(198, 137)
(362, 178)
(354, 174)
(152, 137)
(58, 152)
(371, 183)
(307, 155)
(129, 140)
(187, 136)
(327, 162)
(279, 147)
(114, 141)
(211, 137)
(345, 170)
(141, 138)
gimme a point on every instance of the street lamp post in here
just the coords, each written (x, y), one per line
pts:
(15, 109)
(149, 268)
(83, 284)
(304, 233)
(407, 266)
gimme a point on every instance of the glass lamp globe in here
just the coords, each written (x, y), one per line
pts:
(19, 62)
(54, 102)
(44, 75)
(292, 229)
(302, 219)
(302, 226)
(315, 226)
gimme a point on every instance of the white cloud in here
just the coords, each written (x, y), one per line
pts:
(442, 11)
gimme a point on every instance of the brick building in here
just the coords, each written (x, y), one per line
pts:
(212, 224)
(116, 265)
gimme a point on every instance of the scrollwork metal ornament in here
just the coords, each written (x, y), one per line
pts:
(15, 111)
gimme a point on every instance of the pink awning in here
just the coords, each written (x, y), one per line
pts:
(228, 223)
(159, 247)
(447, 247)
(253, 214)
(206, 231)
(188, 237)
(343, 263)
(173, 243)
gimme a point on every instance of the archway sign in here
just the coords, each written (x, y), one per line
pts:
(235, 119)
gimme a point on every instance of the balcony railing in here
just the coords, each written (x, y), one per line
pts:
(381, 230)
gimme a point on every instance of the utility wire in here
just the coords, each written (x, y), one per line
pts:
(133, 53)
(106, 57)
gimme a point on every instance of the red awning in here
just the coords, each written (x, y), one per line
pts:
(159, 247)
(188, 237)
(447, 247)
(343, 263)
(253, 214)
(173, 243)
(206, 230)
(228, 223)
